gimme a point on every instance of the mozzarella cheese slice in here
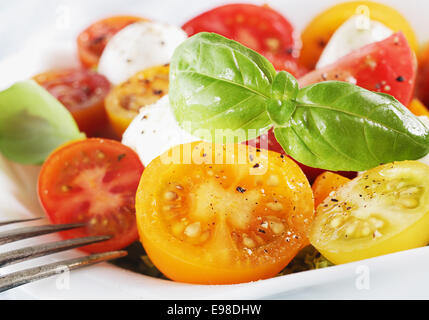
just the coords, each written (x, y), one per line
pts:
(155, 131)
(137, 47)
(355, 33)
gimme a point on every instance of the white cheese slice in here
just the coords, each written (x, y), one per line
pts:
(355, 33)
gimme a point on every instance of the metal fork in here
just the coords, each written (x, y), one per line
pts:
(19, 278)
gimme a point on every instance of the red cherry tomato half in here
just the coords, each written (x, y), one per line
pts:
(92, 41)
(82, 92)
(268, 141)
(93, 181)
(258, 27)
(387, 66)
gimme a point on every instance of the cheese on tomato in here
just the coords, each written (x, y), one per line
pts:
(154, 131)
(137, 47)
(355, 33)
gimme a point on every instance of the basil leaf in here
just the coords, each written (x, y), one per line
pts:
(217, 83)
(339, 126)
(280, 111)
(283, 90)
(33, 123)
(284, 87)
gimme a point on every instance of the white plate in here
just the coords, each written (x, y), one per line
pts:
(36, 35)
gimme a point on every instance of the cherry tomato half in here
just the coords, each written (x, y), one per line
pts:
(82, 92)
(387, 66)
(125, 100)
(93, 181)
(92, 41)
(382, 211)
(223, 222)
(258, 27)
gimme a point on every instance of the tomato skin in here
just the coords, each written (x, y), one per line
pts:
(92, 41)
(388, 66)
(268, 141)
(227, 213)
(92, 181)
(82, 92)
(318, 32)
(258, 27)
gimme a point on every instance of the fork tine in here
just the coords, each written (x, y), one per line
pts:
(19, 278)
(5, 223)
(29, 232)
(45, 249)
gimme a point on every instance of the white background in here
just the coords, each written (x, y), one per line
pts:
(36, 35)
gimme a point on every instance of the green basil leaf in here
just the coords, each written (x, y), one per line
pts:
(33, 123)
(339, 126)
(284, 87)
(280, 111)
(218, 84)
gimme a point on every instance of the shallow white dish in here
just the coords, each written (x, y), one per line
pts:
(37, 35)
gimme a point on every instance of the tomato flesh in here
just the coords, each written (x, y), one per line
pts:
(82, 92)
(92, 41)
(258, 27)
(94, 182)
(224, 222)
(388, 66)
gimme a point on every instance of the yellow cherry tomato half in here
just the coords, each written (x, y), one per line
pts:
(125, 101)
(219, 220)
(382, 211)
(317, 34)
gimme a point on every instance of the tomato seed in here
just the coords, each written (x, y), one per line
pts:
(275, 206)
(366, 231)
(170, 196)
(277, 227)
(376, 234)
(336, 222)
(377, 223)
(409, 203)
(248, 242)
(193, 230)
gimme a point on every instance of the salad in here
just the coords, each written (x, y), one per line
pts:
(233, 149)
